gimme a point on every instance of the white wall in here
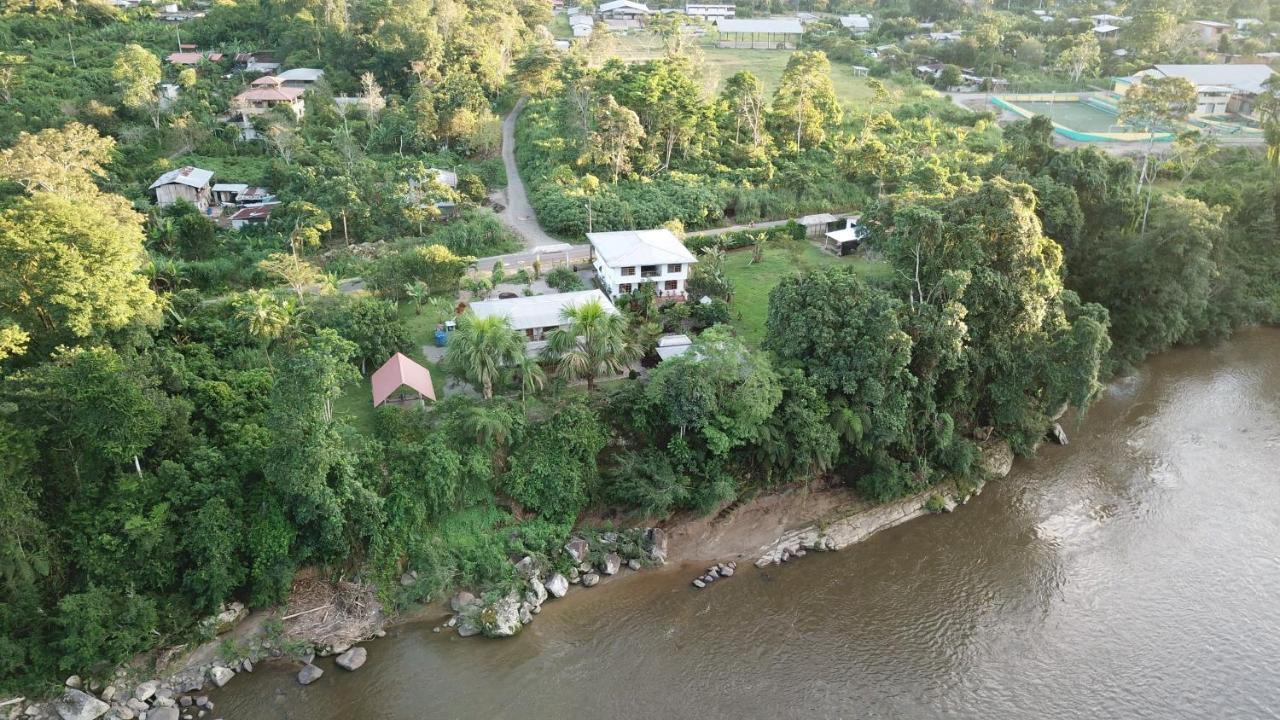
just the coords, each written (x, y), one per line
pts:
(612, 278)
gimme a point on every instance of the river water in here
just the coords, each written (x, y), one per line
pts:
(1132, 574)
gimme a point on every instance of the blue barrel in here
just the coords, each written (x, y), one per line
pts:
(441, 338)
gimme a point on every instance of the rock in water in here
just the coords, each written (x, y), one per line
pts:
(577, 549)
(80, 705)
(502, 619)
(727, 571)
(468, 627)
(699, 584)
(309, 674)
(352, 659)
(526, 613)
(612, 563)
(460, 600)
(590, 579)
(220, 675)
(557, 585)
(1058, 434)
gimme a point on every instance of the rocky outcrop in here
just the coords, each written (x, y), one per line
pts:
(656, 540)
(537, 592)
(836, 533)
(80, 705)
(309, 674)
(557, 585)
(352, 659)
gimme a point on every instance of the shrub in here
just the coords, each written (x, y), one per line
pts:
(935, 504)
(102, 628)
(564, 279)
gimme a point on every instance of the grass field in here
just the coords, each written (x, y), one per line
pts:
(1075, 115)
(752, 282)
(722, 63)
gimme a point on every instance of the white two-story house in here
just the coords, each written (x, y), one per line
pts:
(625, 259)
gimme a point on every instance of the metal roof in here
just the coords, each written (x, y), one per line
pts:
(397, 372)
(192, 176)
(623, 5)
(856, 22)
(230, 187)
(1248, 78)
(776, 25)
(624, 248)
(670, 346)
(301, 75)
(539, 311)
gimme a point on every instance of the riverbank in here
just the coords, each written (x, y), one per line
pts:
(767, 529)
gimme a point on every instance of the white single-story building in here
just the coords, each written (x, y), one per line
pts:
(1220, 89)
(670, 346)
(709, 11)
(538, 315)
(581, 25)
(626, 259)
(856, 24)
(191, 184)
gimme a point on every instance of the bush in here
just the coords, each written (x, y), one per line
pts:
(935, 504)
(645, 481)
(564, 279)
(102, 628)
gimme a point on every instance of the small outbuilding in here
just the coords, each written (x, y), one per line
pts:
(191, 184)
(817, 226)
(774, 33)
(403, 382)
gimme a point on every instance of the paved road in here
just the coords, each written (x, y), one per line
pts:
(518, 215)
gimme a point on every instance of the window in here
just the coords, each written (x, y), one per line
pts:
(649, 271)
(674, 268)
(673, 285)
(629, 270)
(624, 288)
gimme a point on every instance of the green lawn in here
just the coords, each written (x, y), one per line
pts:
(752, 282)
(356, 401)
(722, 63)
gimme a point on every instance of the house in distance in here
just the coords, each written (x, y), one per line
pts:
(191, 184)
(626, 259)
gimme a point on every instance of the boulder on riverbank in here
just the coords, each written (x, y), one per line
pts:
(352, 659)
(1057, 434)
(611, 564)
(79, 705)
(577, 549)
(461, 600)
(558, 585)
(220, 675)
(590, 580)
(997, 458)
(502, 618)
(656, 539)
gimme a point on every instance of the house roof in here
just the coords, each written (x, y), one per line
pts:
(255, 212)
(856, 22)
(192, 176)
(670, 346)
(777, 25)
(308, 75)
(818, 219)
(267, 81)
(581, 20)
(1103, 29)
(538, 311)
(230, 187)
(1246, 78)
(1212, 24)
(623, 5)
(625, 248)
(185, 58)
(269, 94)
(253, 194)
(397, 372)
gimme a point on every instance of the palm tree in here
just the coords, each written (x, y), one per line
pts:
(529, 376)
(591, 342)
(264, 318)
(481, 347)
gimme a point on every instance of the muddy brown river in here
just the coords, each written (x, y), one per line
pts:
(1132, 574)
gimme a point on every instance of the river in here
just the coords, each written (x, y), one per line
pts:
(1132, 574)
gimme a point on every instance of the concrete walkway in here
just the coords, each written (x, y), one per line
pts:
(517, 214)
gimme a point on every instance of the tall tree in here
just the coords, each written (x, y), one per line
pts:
(1156, 103)
(1080, 57)
(805, 103)
(137, 74)
(616, 135)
